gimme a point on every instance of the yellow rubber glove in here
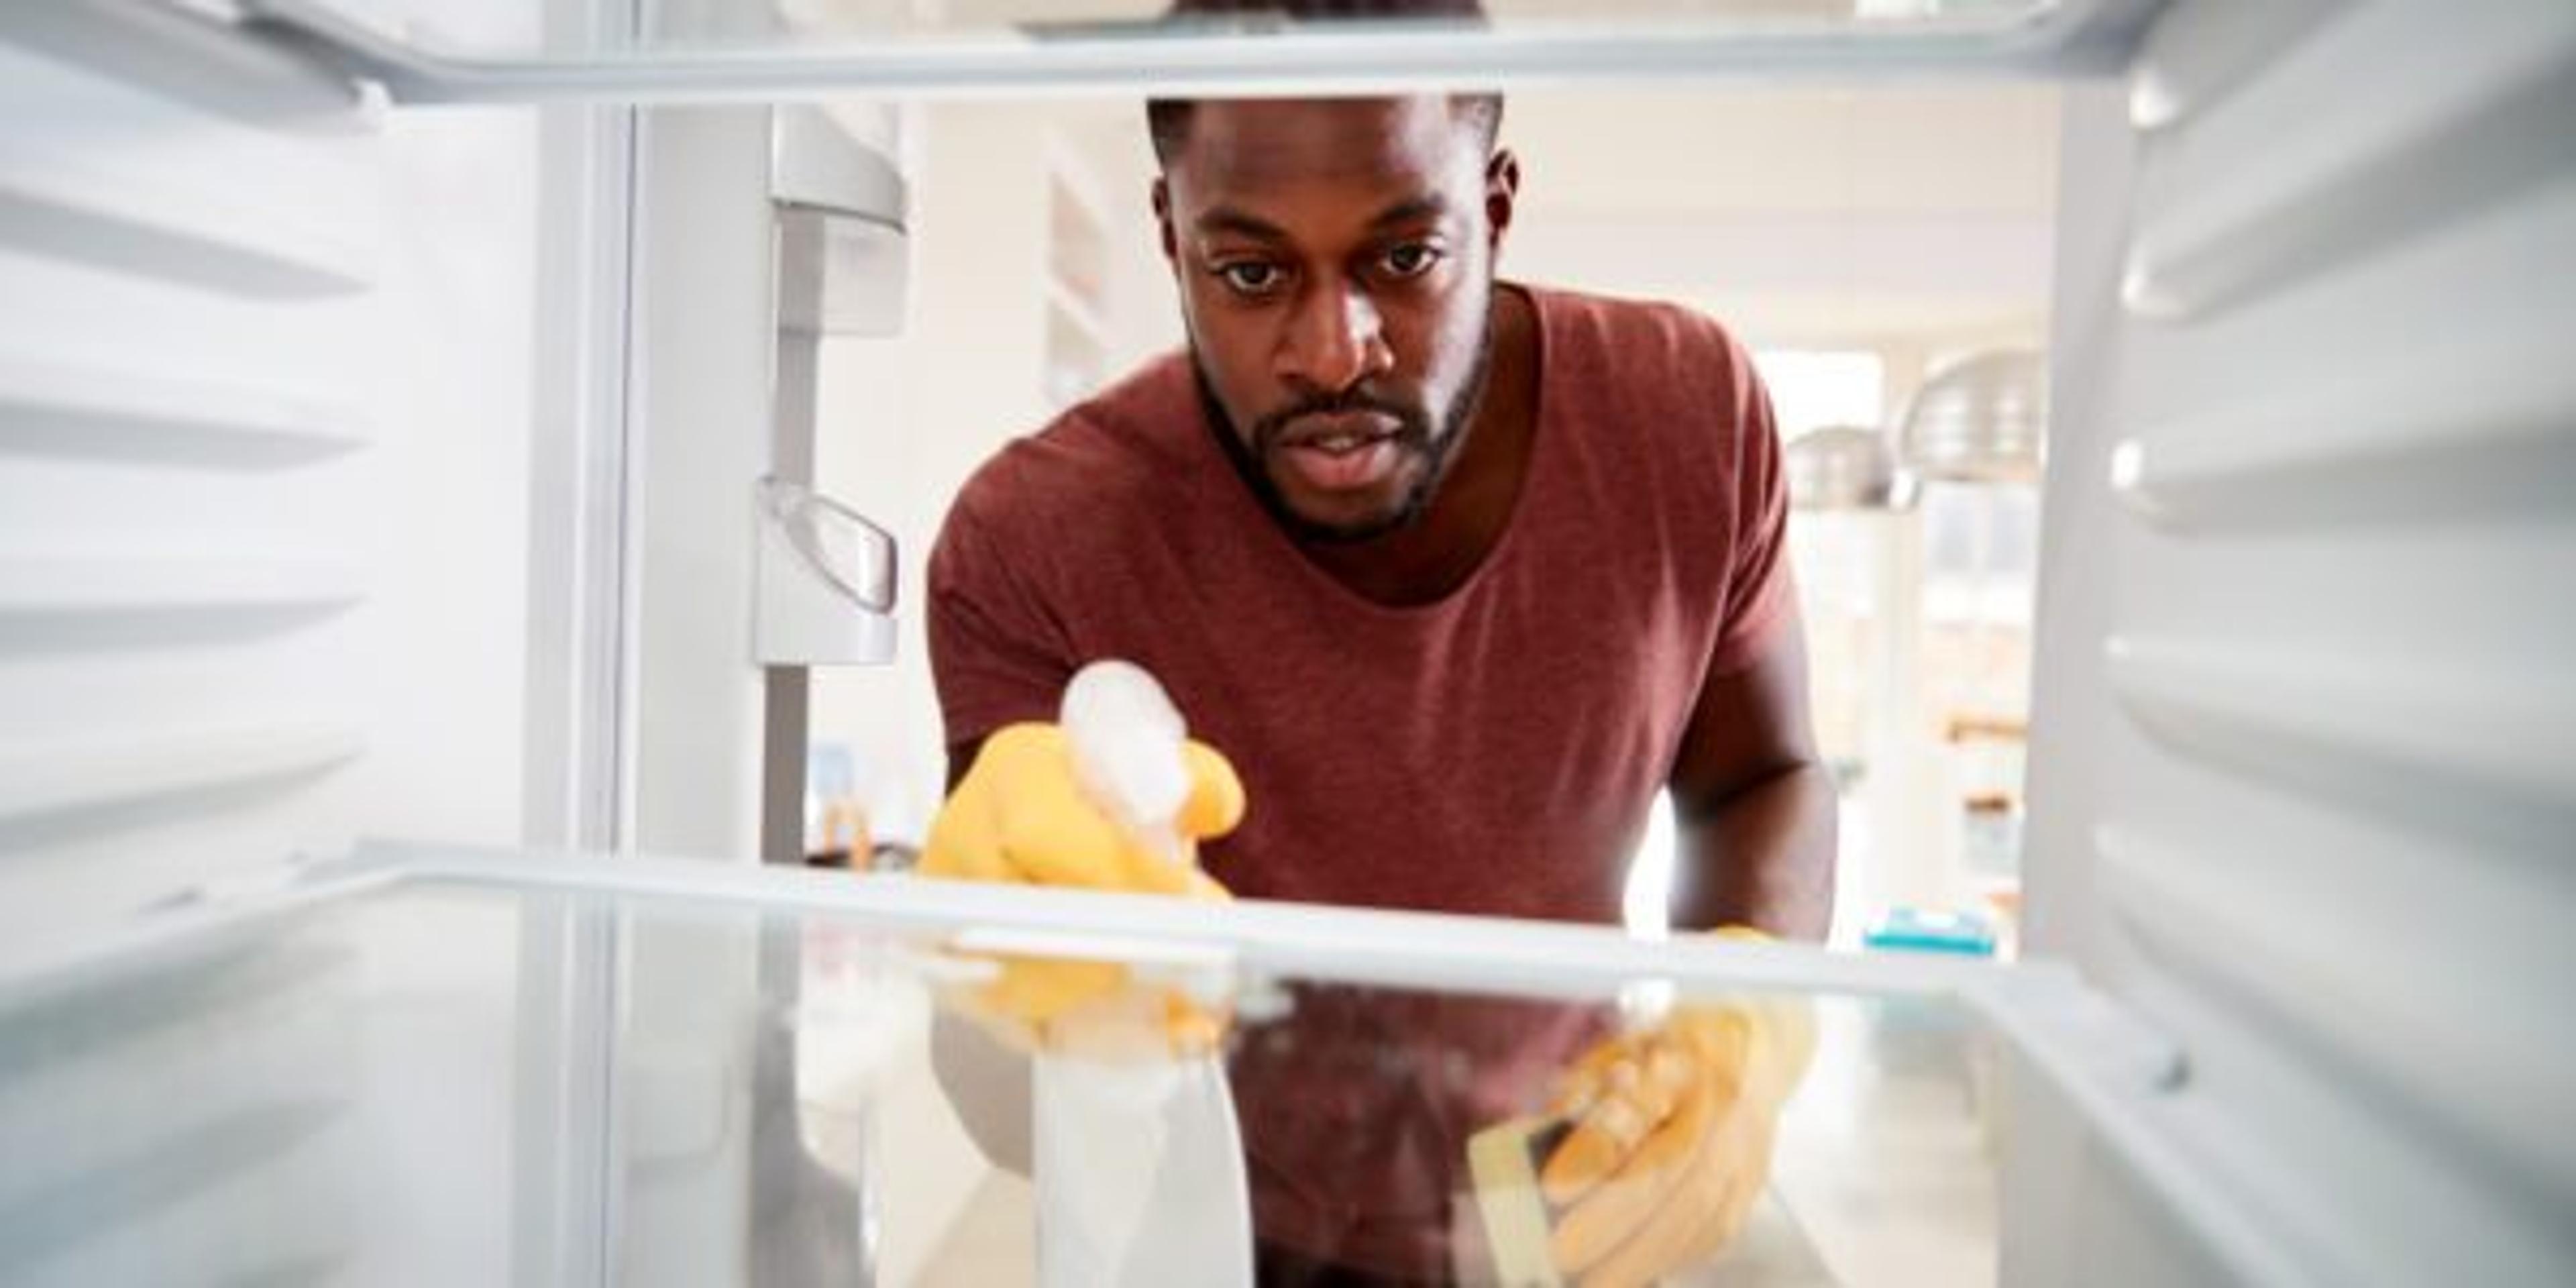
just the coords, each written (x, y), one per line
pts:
(1670, 1143)
(1020, 815)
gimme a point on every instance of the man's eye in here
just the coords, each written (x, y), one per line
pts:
(1410, 260)
(1249, 276)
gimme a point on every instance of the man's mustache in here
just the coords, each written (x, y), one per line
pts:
(1414, 427)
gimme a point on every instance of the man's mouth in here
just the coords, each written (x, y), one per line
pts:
(1347, 431)
(1339, 444)
(1343, 462)
(1348, 453)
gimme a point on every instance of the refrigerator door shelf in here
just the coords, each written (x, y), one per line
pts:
(842, 206)
(825, 582)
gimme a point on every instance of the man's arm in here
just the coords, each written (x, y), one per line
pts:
(1753, 803)
(1661, 1170)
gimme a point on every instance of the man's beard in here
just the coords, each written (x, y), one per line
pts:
(1414, 437)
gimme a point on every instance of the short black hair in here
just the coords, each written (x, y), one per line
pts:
(1168, 119)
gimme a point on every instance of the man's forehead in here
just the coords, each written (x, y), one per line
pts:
(1245, 146)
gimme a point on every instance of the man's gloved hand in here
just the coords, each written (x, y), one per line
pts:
(1670, 1140)
(1021, 815)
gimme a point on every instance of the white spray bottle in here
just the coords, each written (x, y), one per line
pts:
(1138, 1165)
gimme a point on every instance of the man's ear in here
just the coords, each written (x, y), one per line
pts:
(1502, 188)
(1163, 218)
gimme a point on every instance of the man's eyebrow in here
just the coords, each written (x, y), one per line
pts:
(1226, 219)
(1432, 206)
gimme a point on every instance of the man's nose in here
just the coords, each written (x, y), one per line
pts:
(1336, 339)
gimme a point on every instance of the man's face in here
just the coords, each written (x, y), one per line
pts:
(1335, 261)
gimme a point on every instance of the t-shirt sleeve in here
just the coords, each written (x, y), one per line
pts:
(1759, 594)
(997, 654)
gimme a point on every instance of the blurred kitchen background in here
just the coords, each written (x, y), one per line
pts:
(1885, 252)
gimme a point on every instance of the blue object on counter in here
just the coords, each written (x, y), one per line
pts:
(1922, 930)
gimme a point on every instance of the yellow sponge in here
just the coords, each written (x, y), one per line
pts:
(1504, 1160)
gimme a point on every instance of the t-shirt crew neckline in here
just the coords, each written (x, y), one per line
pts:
(1282, 546)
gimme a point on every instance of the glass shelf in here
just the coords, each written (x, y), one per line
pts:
(790, 49)
(437, 1067)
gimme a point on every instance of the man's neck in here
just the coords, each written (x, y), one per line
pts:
(1472, 504)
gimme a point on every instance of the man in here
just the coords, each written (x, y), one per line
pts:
(1459, 573)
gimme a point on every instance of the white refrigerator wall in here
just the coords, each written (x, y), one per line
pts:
(267, 376)
(2301, 772)
(265, 391)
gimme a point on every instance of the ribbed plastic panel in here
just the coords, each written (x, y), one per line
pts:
(264, 426)
(2305, 757)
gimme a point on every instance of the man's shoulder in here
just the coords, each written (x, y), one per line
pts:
(1646, 363)
(1631, 329)
(1118, 438)
(1097, 465)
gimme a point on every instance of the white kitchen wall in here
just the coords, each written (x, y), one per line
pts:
(1816, 216)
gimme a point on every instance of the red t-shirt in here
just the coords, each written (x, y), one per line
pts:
(1493, 752)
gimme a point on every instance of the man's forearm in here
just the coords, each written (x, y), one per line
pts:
(1763, 857)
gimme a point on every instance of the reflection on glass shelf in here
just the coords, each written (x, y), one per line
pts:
(765, 49)
(755, 23)
(465, 1080)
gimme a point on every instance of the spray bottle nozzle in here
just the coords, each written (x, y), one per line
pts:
(1127, 741)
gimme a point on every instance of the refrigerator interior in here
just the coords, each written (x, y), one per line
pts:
(384, 400)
